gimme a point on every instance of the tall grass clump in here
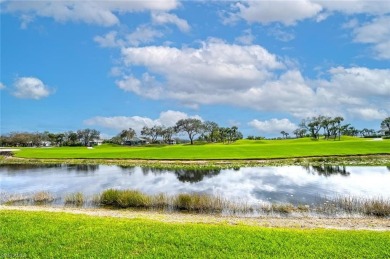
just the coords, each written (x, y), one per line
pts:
(110, 197)
(42, 197)
(133, 199)
(161, 201)
(75, 199)
(199, 202)
(124, 198)
(378, 207)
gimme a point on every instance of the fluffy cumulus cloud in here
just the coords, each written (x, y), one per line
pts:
(217, 72)
(359, 82)
(250, 76)
(30, 88)
(167, 118)
(102, 13)
(289, 12)
(2, 86)
(286, 12)
(208, 74)
(377, 34)
(368, 113)
(273, 125)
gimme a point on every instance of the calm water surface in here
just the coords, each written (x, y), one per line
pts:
(294, 184)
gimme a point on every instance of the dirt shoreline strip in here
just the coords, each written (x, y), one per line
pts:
(353, 223)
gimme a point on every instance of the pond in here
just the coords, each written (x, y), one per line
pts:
(285, 184)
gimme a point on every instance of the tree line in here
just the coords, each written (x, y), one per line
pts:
(83, 137)
(332, 128)
(208, 131)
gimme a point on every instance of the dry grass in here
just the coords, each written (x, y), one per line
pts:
(42, 197)
(75, 199)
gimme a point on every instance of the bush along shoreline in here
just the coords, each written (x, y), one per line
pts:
(339, 206)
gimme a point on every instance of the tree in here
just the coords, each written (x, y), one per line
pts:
(128, 134)
(152, 132)
(211, 131)
(191, 126)
(300, 132)
(315, 125)
(284, 134)
(72, 138)
(87, 135)
(233, 134)
(385, 125)
(338, 120)
(167, 134)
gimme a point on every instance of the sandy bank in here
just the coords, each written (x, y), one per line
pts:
(364, 223)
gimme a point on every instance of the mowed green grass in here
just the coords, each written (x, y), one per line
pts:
(243, 149)
(59, 235)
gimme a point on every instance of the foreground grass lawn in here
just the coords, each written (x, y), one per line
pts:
(242, 149)
(59, 235)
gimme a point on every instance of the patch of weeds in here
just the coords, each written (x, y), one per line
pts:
(75, 199)
(43, 197)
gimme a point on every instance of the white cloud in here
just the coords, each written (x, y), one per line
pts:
(286, 12)
(30, 88)
(281, 34)
(167, 18)
(247, 38)
(167, 118)
(368, 113)
(273, 125)
(215, 64)
(102, 13)
(356, 6)
(2, 86)
(250, 76)
(289, 12)
(143, 34)
(109, 40)
(359, 82)
(377, 33)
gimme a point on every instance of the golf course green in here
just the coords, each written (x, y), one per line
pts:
(242, 149)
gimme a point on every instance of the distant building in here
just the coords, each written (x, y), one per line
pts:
(45, 144)
(95, 142)
(135, 142)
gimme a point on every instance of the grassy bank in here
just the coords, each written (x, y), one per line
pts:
(198, 203)
(55, 235)
(243, 149)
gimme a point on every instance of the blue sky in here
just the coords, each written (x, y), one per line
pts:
(260, 65)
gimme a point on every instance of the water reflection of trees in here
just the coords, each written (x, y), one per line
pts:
(388, 168)
(327, 170)
(184, 175)
(17, 168)
(25, 167)
(83, 168)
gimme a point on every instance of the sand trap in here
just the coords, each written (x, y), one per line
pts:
(9, 149)
(377, 139)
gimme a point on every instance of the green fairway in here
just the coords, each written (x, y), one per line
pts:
(59, 235)
(243, 149)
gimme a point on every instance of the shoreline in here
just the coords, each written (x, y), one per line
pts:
(349, 223)
(348, 160)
